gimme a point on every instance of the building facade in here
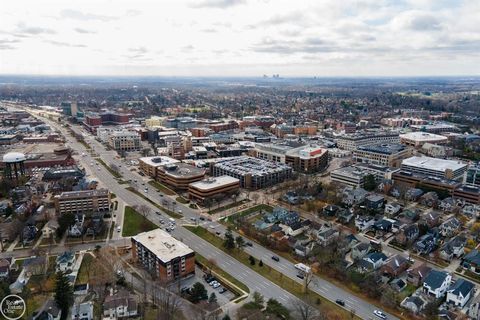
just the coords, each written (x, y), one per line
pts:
(88, 201)
(212, 187)
(385, 154)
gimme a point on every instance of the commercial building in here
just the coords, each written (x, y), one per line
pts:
(448, 169)
(213, 187)
(253, 173)
(300, 157)
(93, 120)
(154, 122)
(179, 175)
(149, 165)
(435, 128)
(41, 156)
(472, 176)
(351, 142)
(124, 140)
(88, 201)
(158, 252)
(385, 154)
(355, 175)
(418, 139)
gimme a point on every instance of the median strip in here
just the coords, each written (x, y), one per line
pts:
(169, 212)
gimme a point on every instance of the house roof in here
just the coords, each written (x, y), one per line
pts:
(473, 257)
(435, 279)
(461, 286)
(65, 257)
(416, 301)
(376, 256)
(396, 261)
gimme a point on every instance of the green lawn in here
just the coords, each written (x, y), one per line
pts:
(231, 219)
(182, 200)
(271, 274)
(134, 223)
(229, 206)
(169, 212)
(162, 188)
(82, 276)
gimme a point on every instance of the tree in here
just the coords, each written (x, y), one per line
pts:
(168, 304)
(63, 294)
(240, 241)
(278, 309)
(64, 222)
(258, 299)
(252, 260)
(229, 242)
(255, 197)
(431, 310)
(389, 298)
(212, 298)
(114, 168)
(260, 263)
(370, 183)
(475, 230)
(304, 310)
(198, 293)
(226, 317)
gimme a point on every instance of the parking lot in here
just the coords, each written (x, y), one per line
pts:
(222, 298)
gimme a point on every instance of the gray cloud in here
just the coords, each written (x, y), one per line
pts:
(23, 30)
(84, 31)
(6, 46)
(311, 45)
(210, 30)
(65, 44)
(424, 23)
(79, 15)
(220, 4)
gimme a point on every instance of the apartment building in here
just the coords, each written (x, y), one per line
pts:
(351, 142)
(418, 139)
(87, 201)
(124, 140)
(385, 154)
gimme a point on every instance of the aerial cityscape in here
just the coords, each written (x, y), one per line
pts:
(229, 159)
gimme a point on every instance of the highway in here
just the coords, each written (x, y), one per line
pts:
(250, 278)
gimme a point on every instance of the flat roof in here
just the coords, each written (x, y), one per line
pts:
(212, 183)
(244, 165)
(433, 163)
(422, 136)
(158, 161)
(83, 194)
(162, 244)
(383, 148)
(183, 170)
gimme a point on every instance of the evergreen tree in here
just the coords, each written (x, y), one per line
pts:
(370, 183)
(252, 260)
(198, 293)
(213, 298)
(260, 263)
(229, 242)
(226, 317)
(278, 309)
(63, 294)
(240, 241)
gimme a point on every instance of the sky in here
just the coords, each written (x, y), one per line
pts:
(293, 38)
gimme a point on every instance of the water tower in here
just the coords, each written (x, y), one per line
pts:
(14, 165)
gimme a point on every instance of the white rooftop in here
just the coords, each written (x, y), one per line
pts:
(422, 136)
(12, 157)
(433, 163)
(212, 183)
(162, 244)
(158, 161)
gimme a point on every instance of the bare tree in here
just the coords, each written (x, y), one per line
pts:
(255, 197)
(303, 309)
(144, 210)
(168, 303)
(307, 280)
(114, 168)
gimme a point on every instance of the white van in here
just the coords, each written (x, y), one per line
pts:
(171, 220)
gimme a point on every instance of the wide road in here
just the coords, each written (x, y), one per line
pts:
(252, 279)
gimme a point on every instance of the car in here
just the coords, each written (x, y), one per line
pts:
(275, 258)
(184, 289)
(146, 190)
(158, 212)
(222, 290)
(249, 244)
(202, 218)
(218, 233)
(300, 275)
(119, 229)
(212, 227)
(216, 285)
(161, 221)
(193, 219)
(340, 302)
(167, 229)
(380, 314)
(211, 283)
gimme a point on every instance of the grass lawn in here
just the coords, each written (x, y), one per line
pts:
(169, 212)
(229, 206)
(112, 172)
(182, 200)
(161, 187)
(273, 275)
(34, 302)
(134, 223)
(82, 276)
(230, 220)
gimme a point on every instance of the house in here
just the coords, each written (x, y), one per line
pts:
(120, 304)
(94, 226)
(4, 268)
(352, 241)
(454, 248)
(277, 214)
(291, 197)
(407, 234)
(394, 266)
(449, 227)
(474, 308)
(293, 229)
(471, 210)
(429, 199)
(413, 194)
(76, 229)
(345, 216)
(383, 225)
(303, 249)
(81, 289)
(28, 234)
(261, 225)
(414, 303)
(416, 275)
(372, 261)
(360, 250)
(409, 216)
(50, 229)
(354, 196)
(432, 219)
(392, 209)
(363, 223)
(437, 283)
(65, 262)
(327, 236)
(330, 210)
(290, 218)
(447, 204)
(35, 266)
(460, 292)
(471, 261)
(82, 311)
(49, 311)
(398, 284)
(374, 201)
(425, 244)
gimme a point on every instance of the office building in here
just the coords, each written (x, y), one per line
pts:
(124, 140)
(351, 142)
(435, 128)
(355, 175)
(385, 154)
(88, 201)
(472, 176)
(179, 175)
(213, 187)
(253, 173)
(93, 120)
(149, 165)
(161, 254)
(448, 169)
(154, 122)
(418, 139)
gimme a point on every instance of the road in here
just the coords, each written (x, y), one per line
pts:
(250, 278)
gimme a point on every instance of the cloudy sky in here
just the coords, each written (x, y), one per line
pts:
(241, 37)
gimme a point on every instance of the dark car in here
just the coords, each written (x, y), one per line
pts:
(218, 233)
(300, 275)
(275, 258)
(223, 290)
(340, 302)
(202, 218)
(249, 244)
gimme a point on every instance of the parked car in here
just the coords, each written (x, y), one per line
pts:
(249, 244)
(380, 314)
(216, 285)
(218, 233)
(275, 258)
(158, 212)
(222, 290)
(300, 275)
(202, 218)
(340, 302)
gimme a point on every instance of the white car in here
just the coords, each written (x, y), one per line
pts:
(380, 314)
(216, 285)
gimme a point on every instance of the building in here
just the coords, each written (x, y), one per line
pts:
(351, 142)
(436, 283)
(124, 140)
(179, 175)
(154, 122)
(160, 253)
(460, 292)
(14, 163)
(355, 175)
(449, 169)
(253, 173)
(418, 139)
(94, 120)
(472, 176)
(385, 154)
(435, 128)
(149, 165)
(120, 304)
(83, 201)
(213, 187)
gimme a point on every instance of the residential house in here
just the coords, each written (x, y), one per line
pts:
(394, 266)
(374, 201)
(417, 274)
(303, 248)
(330, 210)
(471, 210)
(407, 234)
(363, 223)
(327, 236)
(261, 225)
(453, 248)
(460, 292)
(392, 209)
(35, 266)
(383, 225)
(437, 283)
(414, 303)
(354, 196)
(432, 219)
(471, 261)
(50, 229)
(4, 268)
(413, 194)
(360, 250)
(345, 216)
(94, 226)
(291, 197)
(76, 229)
(473, 310)
(449, 227)
(65, 262)
(447, 204)
(352, 241)
(372, 261)
(120, 304)
(293, 229)
(82, 311)
(277, 214)
(398, 284)
(426, 244)
(429, 199)
(81, 289)
(290, 218)
(29, 233)
(409, 216)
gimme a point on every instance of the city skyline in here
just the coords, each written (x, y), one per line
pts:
(241, 38)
